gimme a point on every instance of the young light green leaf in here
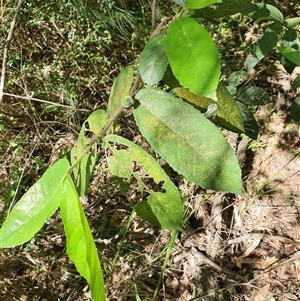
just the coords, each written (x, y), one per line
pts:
(290, 53)
(229, 115)
(188, 141)
(154, 61)
(292, 22)
(199, 3)
(193, 57)
(268, 40)
(36, 205)
(84, 170)
(80, 244)
(164, 208)
(120, 89)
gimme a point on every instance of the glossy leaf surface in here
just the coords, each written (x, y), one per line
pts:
(193, 57)
(164, 208)
(84, 170)
(154, 61)
(36, 205)
(80, 244)
(187, 140)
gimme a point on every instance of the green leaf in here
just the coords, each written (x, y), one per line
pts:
(226, 8)
(169, 79)
(200, 102)
(228, 115)
(154, 61)
(290, 39)
(84, 170)
(163, 209)
(179, 2)
(296, 82)
(199, 3)
(290, 53)
(193, 57)
(268, 40)
(250, 96)
(251, 61)
(295, 109)
(80, 244)
(120, 89)
(250, 124)
(187, 140)
(236, 78)
(36, 205)
(266, 12)
(292, 22)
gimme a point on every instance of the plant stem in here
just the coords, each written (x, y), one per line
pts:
(116, 114)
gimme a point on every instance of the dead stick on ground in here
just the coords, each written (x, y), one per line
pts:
(6, 47)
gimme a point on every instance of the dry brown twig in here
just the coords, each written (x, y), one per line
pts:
(6, 47)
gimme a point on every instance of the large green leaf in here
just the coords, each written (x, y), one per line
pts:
(188, 141)
(229, 115)
(290, 53)
(80, 244)
(164, 208)
(154, 61)
(193, 57)
(36, 205)
(199, 3)
(120, 89)
(84, 170)
(268, 40)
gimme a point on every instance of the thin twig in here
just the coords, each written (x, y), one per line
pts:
(45, 101)
(6, 47)
(153, 9)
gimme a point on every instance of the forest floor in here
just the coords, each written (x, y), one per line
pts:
(232, 247)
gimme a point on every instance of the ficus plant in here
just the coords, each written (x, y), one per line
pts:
(179, 106)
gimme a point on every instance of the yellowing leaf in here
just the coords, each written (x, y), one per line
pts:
(187, 140)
